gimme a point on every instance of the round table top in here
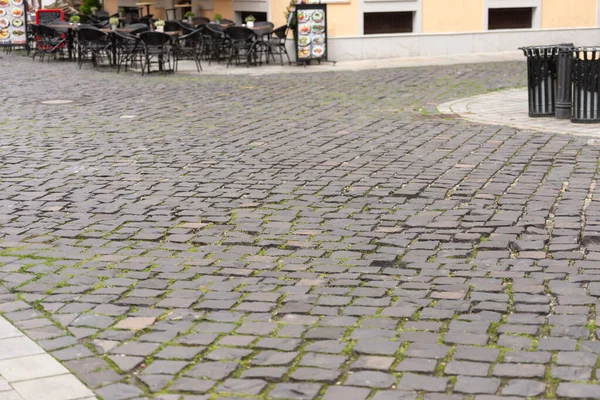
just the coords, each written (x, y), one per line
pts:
(143, 4)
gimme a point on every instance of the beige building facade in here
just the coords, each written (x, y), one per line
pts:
(366, 29)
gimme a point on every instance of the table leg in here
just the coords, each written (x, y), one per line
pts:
(113, 43)
(70, 43)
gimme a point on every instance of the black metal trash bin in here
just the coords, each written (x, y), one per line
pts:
(541, 79)
(586, 85)
(564, 64)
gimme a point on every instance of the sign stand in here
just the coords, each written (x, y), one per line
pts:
(310, 36)
(13, 24)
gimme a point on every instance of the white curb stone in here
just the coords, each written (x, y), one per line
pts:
(27, 372)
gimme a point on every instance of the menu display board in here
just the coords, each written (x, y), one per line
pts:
(45, 16)
(311, 32)
(13, 19)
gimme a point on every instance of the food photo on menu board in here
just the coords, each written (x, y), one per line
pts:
(311, 34)
(12, 22)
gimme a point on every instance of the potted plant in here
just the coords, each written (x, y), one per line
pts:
(89, 6)
(74, 20)
(160, 25)
(114, 22)
(250, 21)
(217, 18)
(189, 15)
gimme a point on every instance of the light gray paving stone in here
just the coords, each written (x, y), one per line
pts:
(7, 330)
(63, 387)
(30, 367)
(20, 346)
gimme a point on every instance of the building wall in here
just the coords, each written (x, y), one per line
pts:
(223, 7)
(342, 18)
(568, 13)
(277, 12)
(110, 6)
(432, 16)
(452, 16)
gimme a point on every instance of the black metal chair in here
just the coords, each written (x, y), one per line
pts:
(189, 47)
(137, 28)
(87, 19)
(94, 43)
(216, 44)
(156, 50)
(244, 43)
(172, 26)
(102, 24)
(52, 42)
(277, 44)
(101, 15)
(33, 39)
(128, 48)
(186, 28)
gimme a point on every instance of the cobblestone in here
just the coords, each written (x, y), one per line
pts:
(320, 236)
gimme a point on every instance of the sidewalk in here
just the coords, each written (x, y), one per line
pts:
(27, 372)
(510, 108)
(189, 67)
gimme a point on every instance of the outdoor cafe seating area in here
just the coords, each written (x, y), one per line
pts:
(158, 46)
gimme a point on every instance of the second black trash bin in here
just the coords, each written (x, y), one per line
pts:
(586, 85)
(541, 79)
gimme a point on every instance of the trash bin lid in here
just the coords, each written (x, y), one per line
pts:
(588, 53)
(547, 50)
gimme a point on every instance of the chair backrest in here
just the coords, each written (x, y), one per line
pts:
(215, 30)
(239, 33)
(50, 32)
(124, 37)
(101, 15)
(192, 39)
(281, 32)
(172, 26)
(200, 20)
(134, 29)
(264, 23)
(185, 26)
(86, 19)
(91, 35)
(155, 39)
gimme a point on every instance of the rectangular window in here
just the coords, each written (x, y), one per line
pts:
(376, 23)
(260, 16)
(510, 18)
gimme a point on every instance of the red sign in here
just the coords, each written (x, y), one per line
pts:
(46, 16)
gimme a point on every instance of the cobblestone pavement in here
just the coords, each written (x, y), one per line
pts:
(324, 236)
